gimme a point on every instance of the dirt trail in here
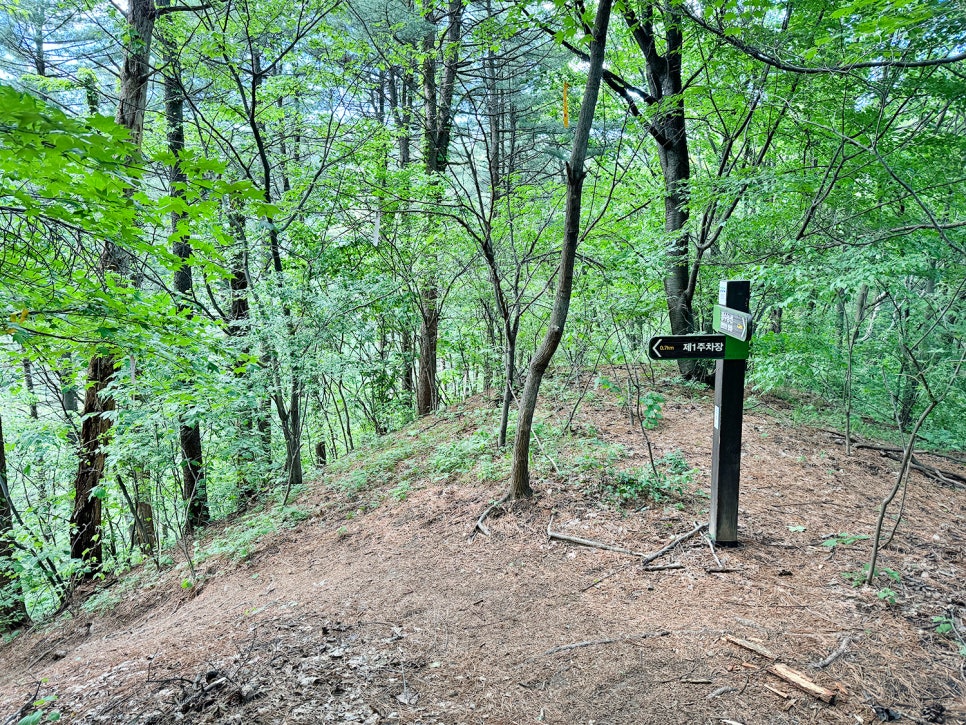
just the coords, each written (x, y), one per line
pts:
(399, 615)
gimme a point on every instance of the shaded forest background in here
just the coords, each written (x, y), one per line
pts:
(239, 239)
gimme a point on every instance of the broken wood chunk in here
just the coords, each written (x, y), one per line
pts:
(799, 680)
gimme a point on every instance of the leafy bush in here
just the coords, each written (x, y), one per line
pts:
(673, 476)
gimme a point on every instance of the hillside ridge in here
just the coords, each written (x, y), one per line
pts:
(382, 606)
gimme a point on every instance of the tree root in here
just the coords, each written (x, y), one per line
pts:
(480, 526)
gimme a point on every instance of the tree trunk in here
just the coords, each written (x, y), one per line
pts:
(520, 474)
(427, 393)
(28, 379)
(136, 69)
(510, 371)
(238, 324)
(670, 132)
(12, 609)
(189, 434)
(406, 346)
(438, 123)
(85, 521)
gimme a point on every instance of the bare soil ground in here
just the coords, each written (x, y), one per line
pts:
(386, 608)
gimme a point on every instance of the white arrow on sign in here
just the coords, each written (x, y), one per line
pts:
(657, 341)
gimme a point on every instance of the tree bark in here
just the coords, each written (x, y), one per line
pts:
(427, 393)
(238, 327)
(670, 132)
(97, 420)
(28, 379)
(520, 474)
(136, 69)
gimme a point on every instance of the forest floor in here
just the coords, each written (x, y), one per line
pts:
(381, 605)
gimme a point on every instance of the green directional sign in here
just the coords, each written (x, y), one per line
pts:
(734, 323)
(696, 347)
(686, 347)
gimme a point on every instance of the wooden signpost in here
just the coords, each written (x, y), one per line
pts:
(732, 317)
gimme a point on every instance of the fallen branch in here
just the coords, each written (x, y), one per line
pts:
(651, 557)
(663, 567)
(799, 680)
(645, 558)
(27, 707)
(933, 472)
(843, 646)
(937, 474)
(713, 552)
(595, 642)
(589, 542)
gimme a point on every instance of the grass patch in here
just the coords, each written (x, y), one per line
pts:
(239, 540)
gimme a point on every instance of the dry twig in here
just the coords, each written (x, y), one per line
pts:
(843, 646)
(651, 557)
(588, 542)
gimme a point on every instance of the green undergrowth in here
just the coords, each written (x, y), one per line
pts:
(238, 540)
(234, 542)
(452, 446)
(460, 446)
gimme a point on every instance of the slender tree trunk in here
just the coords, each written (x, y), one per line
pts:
(520, 474)
(12, 609)
(850, 359)
(28, 380)
(406, 346)
(510, 372)
(427, 393)
(293, 465)
(238, 327)
(194, 490)
(68, 389)
(438, 123)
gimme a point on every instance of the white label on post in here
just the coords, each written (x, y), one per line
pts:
(717, 417)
